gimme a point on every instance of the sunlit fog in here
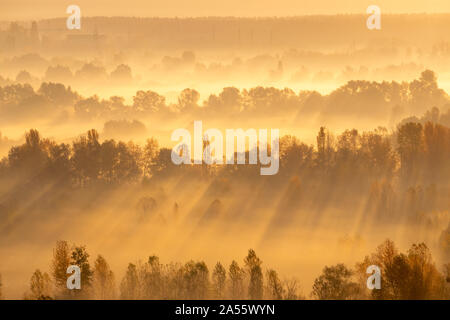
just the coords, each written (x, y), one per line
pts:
(86, 169)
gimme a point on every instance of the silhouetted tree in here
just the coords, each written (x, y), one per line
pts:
(150, 154)
(405, 276)
(86, 158)
(410, 146)
(40, 286)
(153, 279)
(196, 280)
(236, 276)
(325, 149)
(253, 265)
(218, 280)
(80, 257)
(335, 284)
(129, 287)
(103, 280)
(60, 263)
(275, 288)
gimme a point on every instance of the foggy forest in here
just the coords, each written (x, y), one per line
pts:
(86, 176)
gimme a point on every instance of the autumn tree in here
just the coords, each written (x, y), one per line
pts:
(253, 265)
(218, 280)
(404, 276)
(40, 286)
(86, 158)
(188, 99)
(325, 148)
(444, 243)
(446, 279)
(153, 279)
(335, 283)
(292, 290)
(195, 280)
(436, 140)
(30, 157)
(410, 146)
(103, 280)
(394, 269)
(61, 261)
(148, 102)
(425, 279)
(80, 257)
(129, 287)
(275, 288)
(150, 155)
(377, 153)
(236, 279)
(348, 144)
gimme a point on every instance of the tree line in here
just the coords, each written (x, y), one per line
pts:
(364, 99)
(409, 275)
(413, 153)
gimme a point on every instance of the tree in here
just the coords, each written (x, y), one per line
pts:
(236, 276)
(148, 102)
(335, 284)
(274, 286)
(410, 146)
(151, 151)
(153, 279)
(436, 150)
(80, 258)
(444, 243)
(425, 91)
(195, 280)
(122, 73)
(31, 157)
(86, 158)
(447, 272)
(387, 258)
(253, 264)
(446, 281)
(425, 279)
(40, 286)
(188, 99)
(58, 73)
(58, 94)
(129, 287)
(405, 276)
(325, 148)
(163, 162)
(91, 72)
(60, 263)
(59, 166)
(377, 153)
(291, 289)
(127, 168)
(218, 279)
(103, 282)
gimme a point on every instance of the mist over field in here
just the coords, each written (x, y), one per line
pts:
(86, 175)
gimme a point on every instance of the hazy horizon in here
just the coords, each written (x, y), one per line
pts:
(29, 10)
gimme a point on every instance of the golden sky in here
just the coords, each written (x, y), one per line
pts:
(38, 9)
